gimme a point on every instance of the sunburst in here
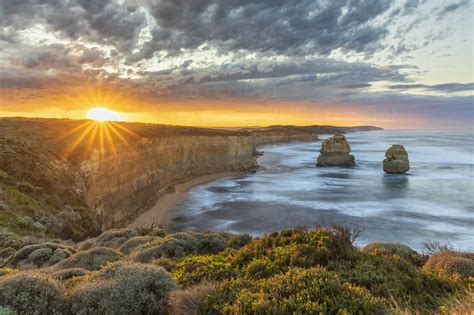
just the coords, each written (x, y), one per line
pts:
(104, 136)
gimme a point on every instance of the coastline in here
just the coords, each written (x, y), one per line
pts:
(161, 212)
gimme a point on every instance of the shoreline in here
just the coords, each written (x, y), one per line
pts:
(161, 212)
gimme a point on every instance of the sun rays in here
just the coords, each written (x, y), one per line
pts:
(104, 136)
(104, 114)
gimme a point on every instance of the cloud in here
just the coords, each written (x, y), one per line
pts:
(273, 26)
(445, 87)
(453, 7)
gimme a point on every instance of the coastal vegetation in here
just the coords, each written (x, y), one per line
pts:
(300, 271)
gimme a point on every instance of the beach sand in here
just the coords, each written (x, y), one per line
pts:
(161, 212)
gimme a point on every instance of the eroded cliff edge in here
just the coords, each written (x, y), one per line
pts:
(121, 186)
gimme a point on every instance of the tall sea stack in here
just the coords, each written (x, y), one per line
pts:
(335, 152)
(396, 160)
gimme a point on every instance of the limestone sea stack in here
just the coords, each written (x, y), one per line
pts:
(396, 161)
(335, 152)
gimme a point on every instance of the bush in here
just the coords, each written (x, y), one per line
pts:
(195, 269)
(9, 244)
(136, 241)
(394, 278)
(400, 250)
(6, 311)
(190, 301)
(27, 293)
(123, 288)
(92, 259)
(114, 238)
(180, 245)
(299, 291)
(451, 262)
(38, 256)
(260, 268)
(165, 262)
(67, 274)
(238, 241)
(6, 271)
(279, 251)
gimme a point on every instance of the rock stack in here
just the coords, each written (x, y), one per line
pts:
(396, 161)
(335, 152)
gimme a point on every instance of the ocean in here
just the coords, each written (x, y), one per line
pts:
(434, 201)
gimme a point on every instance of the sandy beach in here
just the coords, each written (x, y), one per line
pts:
(161, 212)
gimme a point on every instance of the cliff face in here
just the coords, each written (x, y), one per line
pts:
(273, 137)
(289, 133)
(60, 178)
(281, 134)
(122, 186)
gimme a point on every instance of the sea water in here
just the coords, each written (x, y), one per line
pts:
(434, 201)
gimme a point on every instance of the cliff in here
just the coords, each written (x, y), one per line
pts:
(281, 134)
(70, 179)
(122, 186)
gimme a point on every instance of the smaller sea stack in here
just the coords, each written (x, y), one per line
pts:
(335, 152)
(396, 161)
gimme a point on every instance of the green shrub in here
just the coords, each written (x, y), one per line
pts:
(260, 268)
(299, 291)
(280, 251)
(123, 288)
(92, 259)
(130, 245)
(6, 311)
(114, 238)
(165, 262)
(39, 255)
(9, 244)
(180, 245)
(27, 293)
(196, 269)
(451, 262)
(394, 278)
(238, 241)
(67, 274)
(398, 249)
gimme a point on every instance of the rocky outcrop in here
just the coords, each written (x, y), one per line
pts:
(396, 160)
(335, 152)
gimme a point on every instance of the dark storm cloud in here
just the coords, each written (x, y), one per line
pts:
(453, 7)
(445, 87)
(105, 22)
(291, 79)
(411, 5)
(277, 26)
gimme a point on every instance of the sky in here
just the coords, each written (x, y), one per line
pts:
(394, 64)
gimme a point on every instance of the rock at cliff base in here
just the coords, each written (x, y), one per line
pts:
(335, 152)
(396, 160)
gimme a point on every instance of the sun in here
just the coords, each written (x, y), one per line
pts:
(104, 114)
